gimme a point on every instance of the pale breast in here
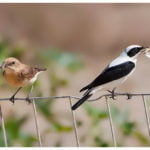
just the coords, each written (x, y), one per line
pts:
(32, 80)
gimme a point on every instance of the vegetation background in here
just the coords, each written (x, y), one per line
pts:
(75, 42)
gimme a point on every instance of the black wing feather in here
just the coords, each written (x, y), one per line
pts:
(111, 74)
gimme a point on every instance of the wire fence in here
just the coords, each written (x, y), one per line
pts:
(74, 120)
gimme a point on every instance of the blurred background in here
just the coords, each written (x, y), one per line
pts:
(75, 42)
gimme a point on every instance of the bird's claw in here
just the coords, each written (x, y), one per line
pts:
(113, 95)
(28, 100)
(129, 96)
(12, 99)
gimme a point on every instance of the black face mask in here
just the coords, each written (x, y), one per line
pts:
(134, 51)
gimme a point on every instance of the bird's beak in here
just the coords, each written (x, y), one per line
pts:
(1, 66)
(144, 49)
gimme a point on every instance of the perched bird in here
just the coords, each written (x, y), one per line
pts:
(114, 74)
(19, 75)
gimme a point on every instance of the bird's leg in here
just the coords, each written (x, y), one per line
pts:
(28, 97)
(12, 99)
(129, 96)
(112, 94)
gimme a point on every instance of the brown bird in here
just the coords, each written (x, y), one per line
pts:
(19, 75)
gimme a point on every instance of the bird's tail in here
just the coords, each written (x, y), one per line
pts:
(82, 100)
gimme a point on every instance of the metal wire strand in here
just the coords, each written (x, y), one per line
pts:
(106, 96)
(75, 97)
(36, 123)
(146, 114)
(35, 118)
(3, 128)
(111, 122)
(74, 124)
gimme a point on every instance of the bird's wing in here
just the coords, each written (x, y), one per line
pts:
(110, 74)
(29, 72)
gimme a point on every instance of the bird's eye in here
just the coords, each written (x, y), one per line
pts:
(13, 62)
(134, 51)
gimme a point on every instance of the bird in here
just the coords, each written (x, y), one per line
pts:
(114, 74)
(19, 75)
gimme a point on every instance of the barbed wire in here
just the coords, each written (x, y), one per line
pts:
(116, 94)
(107, 97)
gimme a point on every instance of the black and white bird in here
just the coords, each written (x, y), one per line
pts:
(114, 74)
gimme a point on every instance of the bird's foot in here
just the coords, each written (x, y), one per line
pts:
(12, 99)
(129, 96)
(113, 95)
(28, 100)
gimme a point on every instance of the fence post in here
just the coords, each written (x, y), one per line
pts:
(3, 128)
(111, 122)
(74, 124)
